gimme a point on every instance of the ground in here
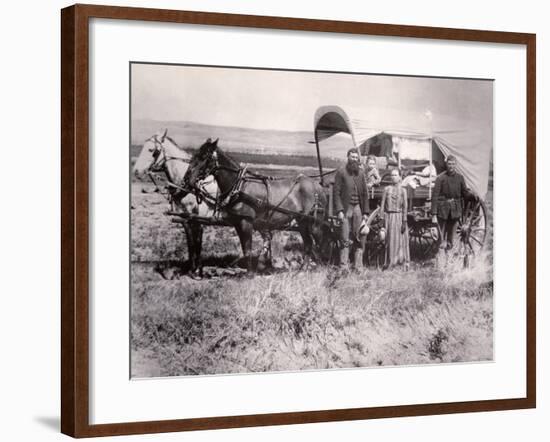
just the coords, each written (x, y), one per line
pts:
(290, 319)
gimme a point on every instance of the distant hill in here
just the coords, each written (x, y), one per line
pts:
(238, 139)
(250, 145)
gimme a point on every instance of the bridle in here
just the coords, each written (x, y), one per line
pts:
(223, 199)
(157, 166)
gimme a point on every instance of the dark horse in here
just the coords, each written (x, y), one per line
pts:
(256, 202)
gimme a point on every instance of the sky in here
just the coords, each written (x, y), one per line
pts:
(286, 100)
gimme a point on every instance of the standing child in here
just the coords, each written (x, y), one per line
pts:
(394, 212)
(372, 176)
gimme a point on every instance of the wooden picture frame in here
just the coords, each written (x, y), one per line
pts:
(75, 247)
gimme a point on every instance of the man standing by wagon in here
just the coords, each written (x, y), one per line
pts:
(447, 201)
(351, 203)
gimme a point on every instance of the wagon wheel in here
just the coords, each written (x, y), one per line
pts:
(472, 227)
(424, 239)
(375, 245)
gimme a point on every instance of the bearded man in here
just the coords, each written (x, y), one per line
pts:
(351, 203)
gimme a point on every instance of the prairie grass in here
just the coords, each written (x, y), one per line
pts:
(437, 312)
(310, 320)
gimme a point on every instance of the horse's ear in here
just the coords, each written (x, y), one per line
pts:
(163, 136)
(211, 146)
(214, 145)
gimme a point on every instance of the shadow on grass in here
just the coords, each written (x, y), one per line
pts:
(230, 265)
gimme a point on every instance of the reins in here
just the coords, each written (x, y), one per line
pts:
(201, 195)
(235, 194)
(166, 158)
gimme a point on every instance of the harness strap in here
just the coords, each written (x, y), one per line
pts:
(224, 201)
(185, 160)
(157, 188)
(277, 208)
(230, 197)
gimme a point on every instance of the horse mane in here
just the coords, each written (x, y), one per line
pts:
(225, 156)
(180, 150)
(169, 138)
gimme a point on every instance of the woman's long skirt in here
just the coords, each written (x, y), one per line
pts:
(397, 243)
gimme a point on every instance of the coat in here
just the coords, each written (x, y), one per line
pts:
(447, 196)
(344, 183)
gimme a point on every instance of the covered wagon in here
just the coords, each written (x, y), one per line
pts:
(418, 143)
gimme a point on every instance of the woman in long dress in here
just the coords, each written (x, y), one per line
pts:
(394, 212)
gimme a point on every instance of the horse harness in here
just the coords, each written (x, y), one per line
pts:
(235, 194)
(172, 187)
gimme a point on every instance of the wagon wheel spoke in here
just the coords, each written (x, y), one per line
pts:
(476, 219)
(422, 242)
(476, 207)
(434, 243)
(480, 233)
(429, 247)
(475, 239)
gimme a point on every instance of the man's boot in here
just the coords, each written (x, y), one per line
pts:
(344, 257)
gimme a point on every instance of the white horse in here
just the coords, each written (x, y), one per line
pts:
(160, 153)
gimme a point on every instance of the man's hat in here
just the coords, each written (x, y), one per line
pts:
(451, 158)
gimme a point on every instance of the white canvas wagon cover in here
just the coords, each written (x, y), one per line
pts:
(468, 141)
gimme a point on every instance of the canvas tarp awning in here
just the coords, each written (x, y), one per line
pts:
(471, 145)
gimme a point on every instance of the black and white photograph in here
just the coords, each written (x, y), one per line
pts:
(287, 220)
(244, 221)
